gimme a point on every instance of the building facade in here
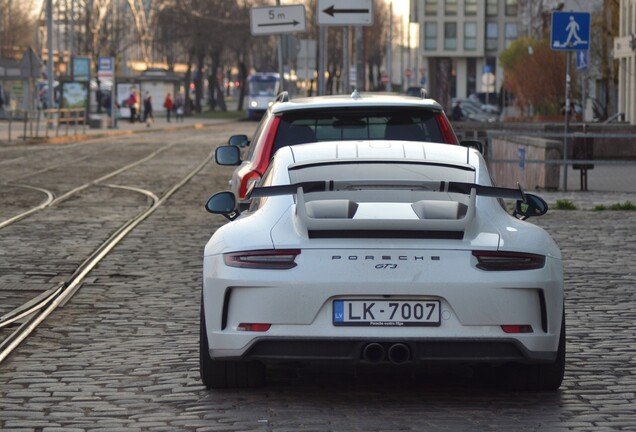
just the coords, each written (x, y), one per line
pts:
(625, 53)
(460, 41)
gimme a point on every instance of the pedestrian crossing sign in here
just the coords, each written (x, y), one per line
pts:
(582, 60)
(570, 31)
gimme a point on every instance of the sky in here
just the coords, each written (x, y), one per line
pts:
(400, 7)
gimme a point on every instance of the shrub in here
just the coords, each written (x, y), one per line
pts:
(627, 205)
(565, 205)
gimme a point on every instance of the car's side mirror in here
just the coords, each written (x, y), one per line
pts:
(477, 145)
(228, 155)
(531, 206)
(239, 141)
(223, 203)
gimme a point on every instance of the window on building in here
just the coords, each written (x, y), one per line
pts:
(430, 36)
(450, 7)
(470, 36)
(430, 7)
(491, 36)
(491, 8)
(450, 36)
(510, 33)
(470, 7)
(511, 8)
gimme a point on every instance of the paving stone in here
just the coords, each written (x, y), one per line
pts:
(122, 354)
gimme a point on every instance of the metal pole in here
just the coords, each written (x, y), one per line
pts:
(360, 73)
(345, 60)
(567, 121)
(416, 59)
(1, 42)
(402, 54)
(72, 43)
(124, 41)
(308, 82)
(389, 61)
(281, 71)
(321, 61)
(59, 37)
(49, 47)
(408, 50)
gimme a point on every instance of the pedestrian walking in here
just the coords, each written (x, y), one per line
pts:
(169, 106)
(133, 101)
(106, 103)
(178, 105)
(149, 118)
(457, 113)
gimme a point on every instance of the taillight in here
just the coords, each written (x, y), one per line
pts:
(503, 261)
(256, 327)
(516, 328)
(271, 259)
(246, 181)
(447, 132)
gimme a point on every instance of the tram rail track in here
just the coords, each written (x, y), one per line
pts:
(53, 200)
(44, 204)
(33, 312)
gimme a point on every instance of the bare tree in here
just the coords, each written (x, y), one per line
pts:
(17, 23)
(606, 25)
(239, 48)
(375, 49)
(145, 18)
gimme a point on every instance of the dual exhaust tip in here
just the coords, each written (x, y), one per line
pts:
(397, 353)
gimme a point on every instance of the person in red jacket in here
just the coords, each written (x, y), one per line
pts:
(168, 105)
(133, 102)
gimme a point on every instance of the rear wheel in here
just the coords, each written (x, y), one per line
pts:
(226, 374)
(545, 376)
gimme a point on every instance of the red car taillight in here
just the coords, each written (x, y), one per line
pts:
(246, 181)
(517, 328)
(271, 259)
(503, 261)
(447, 132)
(255, 327)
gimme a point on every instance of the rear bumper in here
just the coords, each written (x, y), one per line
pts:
(352, 351)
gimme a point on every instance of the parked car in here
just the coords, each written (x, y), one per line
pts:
(475, 111)
(380, 254)
(371, 116)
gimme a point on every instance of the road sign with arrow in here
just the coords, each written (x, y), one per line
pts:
(277, 19)
(345, 12)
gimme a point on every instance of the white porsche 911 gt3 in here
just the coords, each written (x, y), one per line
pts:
(380, 253)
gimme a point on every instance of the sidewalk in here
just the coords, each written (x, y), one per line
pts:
(81, 132)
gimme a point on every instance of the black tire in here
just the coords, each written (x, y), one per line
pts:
(226, 374)
(544, 376)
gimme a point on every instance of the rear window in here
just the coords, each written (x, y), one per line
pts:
(379, 123)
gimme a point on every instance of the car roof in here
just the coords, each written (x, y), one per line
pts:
(383, 150)
(392, 100)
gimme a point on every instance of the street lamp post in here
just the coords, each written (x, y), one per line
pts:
(49, 47)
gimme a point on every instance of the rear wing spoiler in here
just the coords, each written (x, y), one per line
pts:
(428, 218)
(352, 185)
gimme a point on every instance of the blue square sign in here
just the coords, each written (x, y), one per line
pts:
(570, 31)
(582, 60)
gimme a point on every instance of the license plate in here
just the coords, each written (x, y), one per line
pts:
(390, 313)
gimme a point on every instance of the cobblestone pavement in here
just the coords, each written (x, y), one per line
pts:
(122, 355)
